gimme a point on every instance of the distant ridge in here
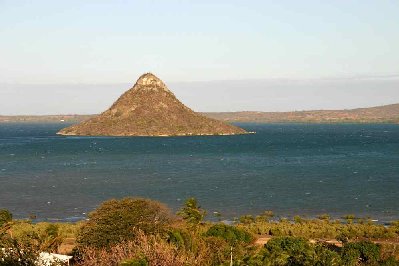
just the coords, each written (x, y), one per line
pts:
(150, 109)
(379, 114)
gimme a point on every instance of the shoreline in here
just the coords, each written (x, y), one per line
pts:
(277, 219)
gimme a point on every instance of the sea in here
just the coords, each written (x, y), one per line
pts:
(291, 169)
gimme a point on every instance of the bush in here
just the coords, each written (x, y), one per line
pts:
(325, 256)
(135, 262)
(364, 252)
(14, 252)
(141, 251)
(290, 251)
(391, 261)
(5, 216)
(192, 213)
(116, 221)
(247, 219)
(231, 234)
(180, 238)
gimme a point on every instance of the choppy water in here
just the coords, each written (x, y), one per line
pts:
(288, 168)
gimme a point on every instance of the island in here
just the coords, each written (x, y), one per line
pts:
(149, 108)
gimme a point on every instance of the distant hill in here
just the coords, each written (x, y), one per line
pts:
(150, 109)
(43, 118)
(380, 114)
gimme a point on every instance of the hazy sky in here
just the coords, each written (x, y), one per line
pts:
(64, 51)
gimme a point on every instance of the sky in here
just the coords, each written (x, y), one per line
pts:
(79, 56)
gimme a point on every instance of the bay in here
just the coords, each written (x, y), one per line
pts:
(306, 169)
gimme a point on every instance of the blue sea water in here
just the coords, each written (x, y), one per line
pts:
(306, 169)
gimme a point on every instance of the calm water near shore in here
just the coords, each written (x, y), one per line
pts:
(288, 168)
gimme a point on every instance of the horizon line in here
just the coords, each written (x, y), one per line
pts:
(242, 111)
(391, 76)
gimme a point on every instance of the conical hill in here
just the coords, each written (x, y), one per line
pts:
(150, 109)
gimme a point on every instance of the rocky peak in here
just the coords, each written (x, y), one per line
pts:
(149, 81)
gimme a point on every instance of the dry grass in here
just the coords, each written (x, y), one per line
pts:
(155, 250)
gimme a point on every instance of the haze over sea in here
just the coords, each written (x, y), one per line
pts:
(306, 169)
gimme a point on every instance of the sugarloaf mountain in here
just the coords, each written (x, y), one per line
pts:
(150, 109)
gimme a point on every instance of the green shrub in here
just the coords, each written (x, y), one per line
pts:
(5, 216)
(192, 213)
(290, 251)
(180, 238)
(116, 221)
(325, 256)
(247, 219)
(364, 252)
(395, 226)
(135, 262)
(391, 261)
(350, 257)
(324, 217)
(349, 218)
(231, 234)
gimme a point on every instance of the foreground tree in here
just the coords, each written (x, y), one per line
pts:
(17, 252)
(192, 213)
(231, 234)
(116, 221)
(364, 252)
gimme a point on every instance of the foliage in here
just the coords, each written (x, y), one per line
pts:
(391, 261)
(284, 251)
(326, 255)
(298, 219)
(321, 229)
(349, 218)
(290, 250)
(299, 251)
(364, 252)
(231, 234)
(247, 219)
(180, 238)
(47, 236)
(14, 252)
(144, 248)
(5, 216)
(24, 246)
(324, 217)
(116, 221)
(141, 232)
(192, 212)
(395, 226)
(135, 262)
